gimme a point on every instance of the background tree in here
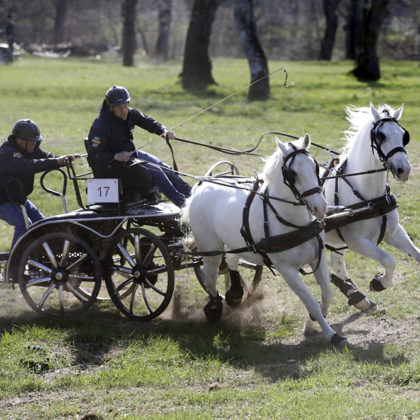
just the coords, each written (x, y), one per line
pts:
(164, 28)
(331, 24)
(352, 29)
(367, 60)
(128, 12)
(60, 17)
(196, 69)
(245, 20)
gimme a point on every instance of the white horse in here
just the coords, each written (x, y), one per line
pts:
(293, 197)
(375, 141)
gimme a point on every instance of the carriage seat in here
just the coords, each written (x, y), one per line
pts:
(131, 197)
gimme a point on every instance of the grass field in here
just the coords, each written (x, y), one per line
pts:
(255, 363)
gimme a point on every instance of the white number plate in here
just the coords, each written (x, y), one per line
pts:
(102, 190)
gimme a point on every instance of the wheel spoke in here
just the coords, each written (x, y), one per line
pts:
(50, 254)
(65, 253)
(61, 297)
(137, 248)
(40, 266)
(37, 281)
(124, 283)
(156, 270)
(157, 290)
(77, 262)
(122, 270)
(150, 254)
(51, 287)
(133, 296)
(76, 292)
(146, 301)
(80, 277)
(125, 253)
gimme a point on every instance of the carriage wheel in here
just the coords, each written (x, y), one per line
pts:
(139, 275)
(59, 274)
(250, 289)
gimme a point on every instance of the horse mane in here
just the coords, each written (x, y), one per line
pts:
(271, 164)
(360, 120)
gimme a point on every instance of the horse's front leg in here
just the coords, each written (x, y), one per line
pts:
(346, 285)
(292, 278)
(399, 239)
(322, 276)
(367, 248)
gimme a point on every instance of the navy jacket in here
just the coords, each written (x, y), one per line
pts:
(15, 163)
(109, 135)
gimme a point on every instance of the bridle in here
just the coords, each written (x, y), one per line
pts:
(376, 140)
(289, 175)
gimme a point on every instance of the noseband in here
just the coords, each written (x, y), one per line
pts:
(289, 175)
(375, 142)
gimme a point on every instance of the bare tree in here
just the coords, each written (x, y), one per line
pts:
(367, 60)
(165, 17)
(196, 70)
(60, 17)
(128, 12)
(245, 20)
(331, 24)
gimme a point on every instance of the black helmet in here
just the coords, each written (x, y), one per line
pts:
(27, 130)
(117, 95)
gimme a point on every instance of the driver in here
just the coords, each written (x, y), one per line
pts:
(111, 148)
(20, 159)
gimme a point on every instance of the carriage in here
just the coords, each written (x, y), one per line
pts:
(133, 247)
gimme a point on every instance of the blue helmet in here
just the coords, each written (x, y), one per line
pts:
(117, 95)
(27, 130)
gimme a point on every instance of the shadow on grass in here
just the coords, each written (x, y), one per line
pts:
(93, 336)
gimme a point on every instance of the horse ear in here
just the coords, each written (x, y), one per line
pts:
(306, 141)
(375, 113)
(398, 112)
(281, 146)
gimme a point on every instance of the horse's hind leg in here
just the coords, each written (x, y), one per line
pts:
(234, 294)
(213, 309)
(345, 284)
(367, 248)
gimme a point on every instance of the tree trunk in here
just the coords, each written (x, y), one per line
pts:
(196, 70)
(165, 17)
(60, 17)
(352, 29)
(128, 12)
(331, 24)
(367, 60)
(245, 20)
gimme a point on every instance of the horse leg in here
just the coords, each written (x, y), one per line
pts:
(234, 294)
(345, 284)
(213, 309)
(292, 278)
(400, 240)
(368, 249)
(322, 276)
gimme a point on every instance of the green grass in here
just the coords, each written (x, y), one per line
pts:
(255, 363)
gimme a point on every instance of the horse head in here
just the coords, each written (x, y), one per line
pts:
(388, 140)
(301, 174)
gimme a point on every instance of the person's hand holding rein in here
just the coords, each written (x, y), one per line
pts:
(168, 135)
(63, 160)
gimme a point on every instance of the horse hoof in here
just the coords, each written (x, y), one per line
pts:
(338, 340)
(213, 309)
(376, 286)
(364, 305)
(234, 297)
